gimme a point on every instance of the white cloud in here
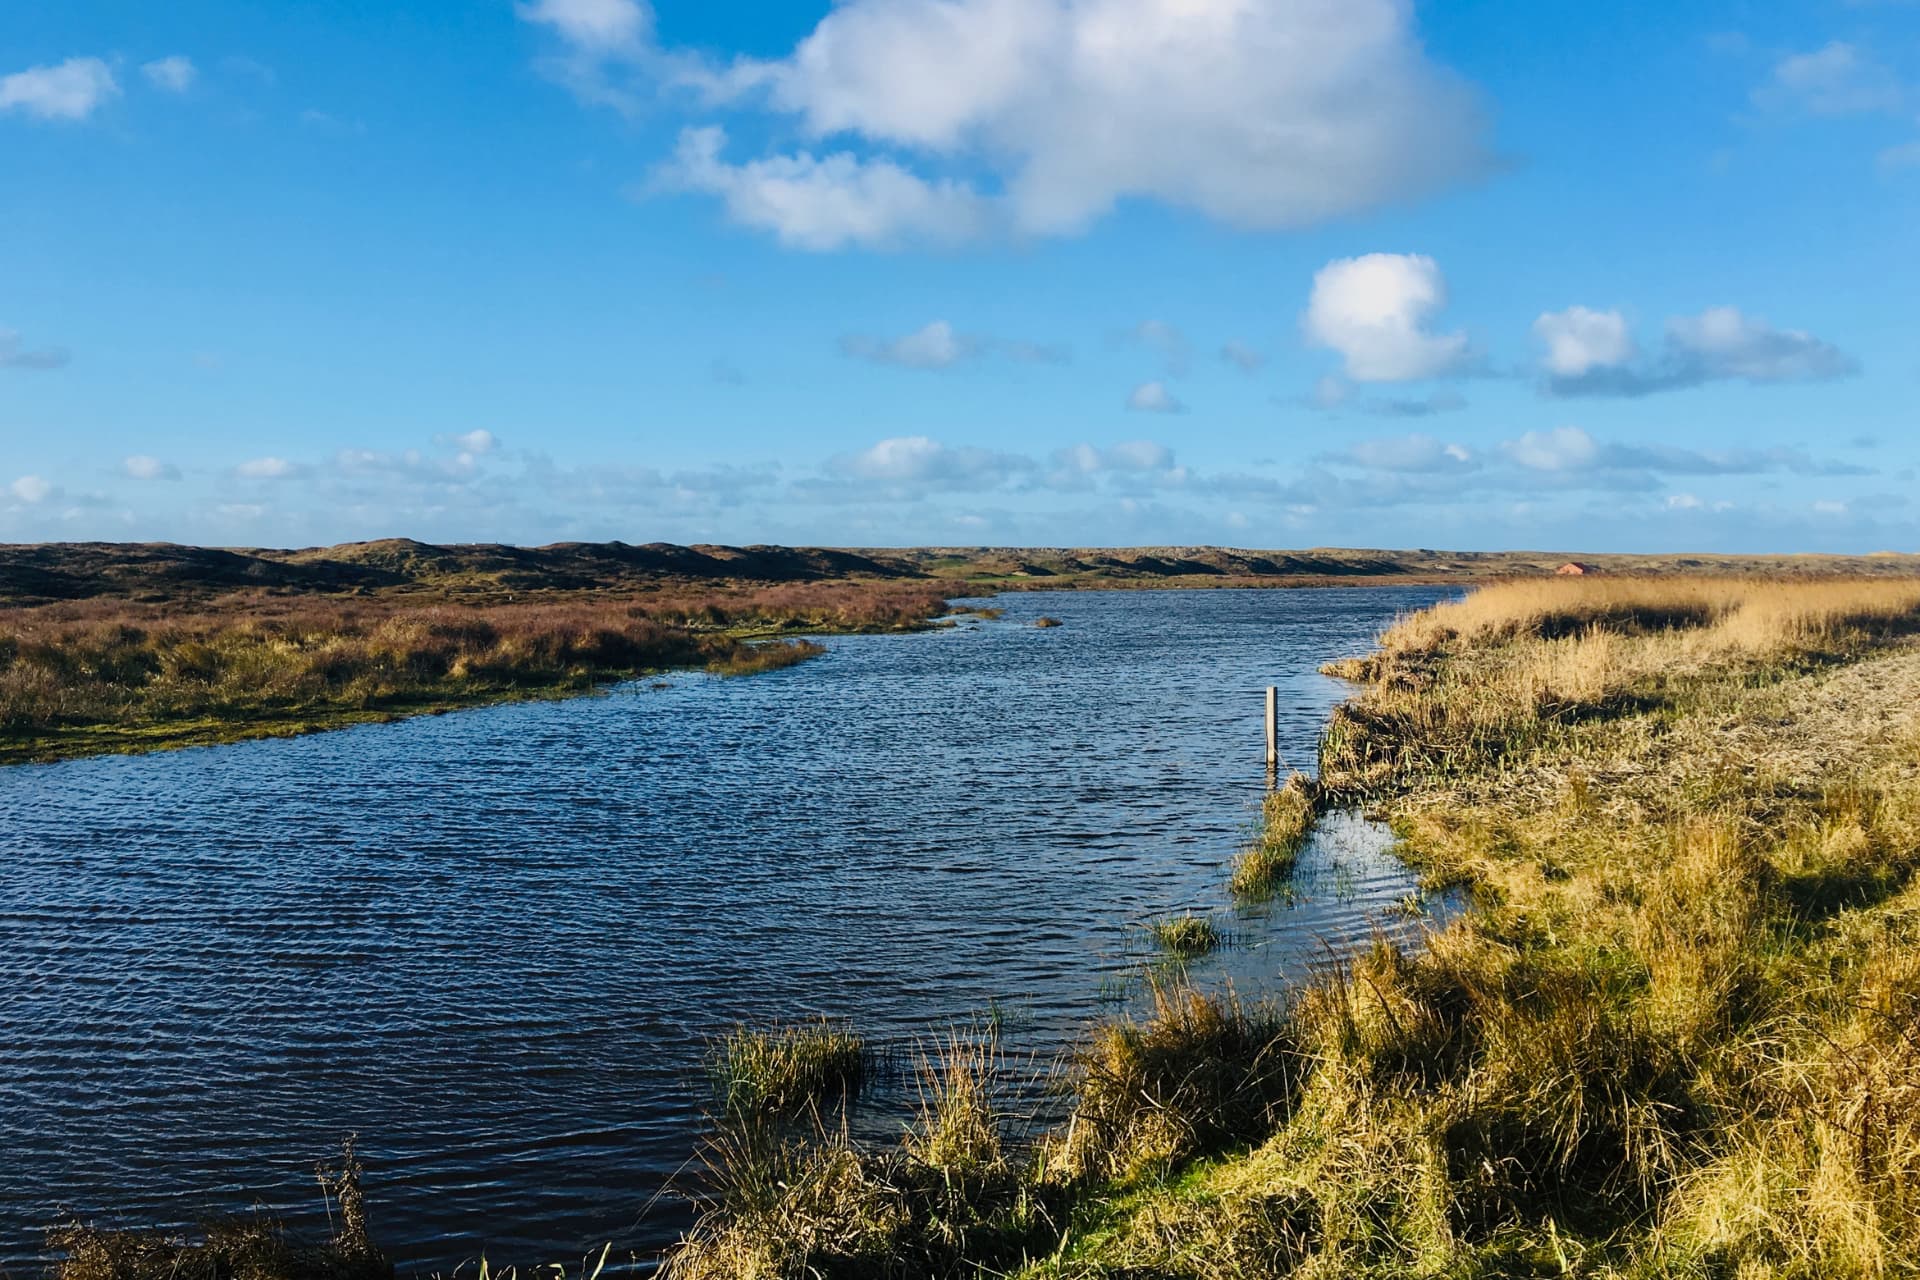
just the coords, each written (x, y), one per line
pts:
(30, 489)
(175, 74)
(1240, 355)
(939, 346)
(1724, 343)
(1561, 449)
(1579, 340)
(1154, 397)
(266, 469)
(921, 461)
(1411, 453)
(1130, 456)
(936, 346)
(1594, 355)
(14, 355)
(142, 466)
(823, 203)
(1165, 339)
(1267, 115)
(477, 441)
(70, 91)
(1837, 79)
(599, 26)
(1374, 310)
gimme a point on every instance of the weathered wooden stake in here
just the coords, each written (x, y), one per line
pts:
(1273, 727)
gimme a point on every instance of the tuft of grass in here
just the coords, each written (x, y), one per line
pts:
(1044, 622)
(781, 1071)
(950, 1200)
(256, 1248)
(752, 659)
(1286, 820)
(1201, 1073)
(1186, 936)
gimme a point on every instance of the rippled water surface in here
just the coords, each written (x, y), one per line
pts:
(495, 943)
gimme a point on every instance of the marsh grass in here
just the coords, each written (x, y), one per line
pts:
(1184, 937)
(781, 1071)
(105, 676)
(255, 1248)
(1044, 622)
(1264, 868)
(752, 659)
(950, 1199)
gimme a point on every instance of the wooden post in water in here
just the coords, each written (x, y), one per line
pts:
(1273, 729)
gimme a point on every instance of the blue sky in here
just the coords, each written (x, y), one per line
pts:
(1256, 272)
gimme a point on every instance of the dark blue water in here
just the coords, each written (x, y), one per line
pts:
(496, 943)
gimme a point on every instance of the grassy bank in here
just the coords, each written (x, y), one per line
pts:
(97, 677)
(1676, 1033)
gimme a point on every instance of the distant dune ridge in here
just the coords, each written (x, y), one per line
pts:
(41, 573)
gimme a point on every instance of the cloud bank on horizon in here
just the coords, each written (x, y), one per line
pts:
(892, 271)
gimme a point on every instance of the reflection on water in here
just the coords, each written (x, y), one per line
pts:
(495, 943)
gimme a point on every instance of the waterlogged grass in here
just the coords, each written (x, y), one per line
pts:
(950, 1199)
(1265, 867)
(780, 1071)
(102, 677)
(1184, 937)
(254, 1248)
(1044, 623)
(752, 659)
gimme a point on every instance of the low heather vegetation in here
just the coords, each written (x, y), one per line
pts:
(85, 678)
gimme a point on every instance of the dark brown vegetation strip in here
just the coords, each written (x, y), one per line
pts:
(101, 676)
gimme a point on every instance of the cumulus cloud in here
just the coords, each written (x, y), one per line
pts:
(1130, 456)
(267, 469)
(1579, 340)
(174, 74)
(938, 346)
(71, 90)
(31, 489)
(922, 462)
(1835, 80)
(1374, 311)
(1166, 340)
(1154, 397)
(1270, 115)
(1591, 353)
(15, 355)
(1415, 454)
(1245, 358)
(141, 466)
(477, 441)
(1573, 450)
(835, 201)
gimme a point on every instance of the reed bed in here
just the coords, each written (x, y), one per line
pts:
(1265, 866)
(778, 1071)
(1184, 937)
(104, 676)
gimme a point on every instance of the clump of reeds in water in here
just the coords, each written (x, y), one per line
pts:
(1184, 937)
(752, 659)
(256, 1248)
(1048, 622)
(783, 1070)
(949, 1200)
(1286, 820)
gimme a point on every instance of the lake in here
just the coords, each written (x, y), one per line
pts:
(496, 943)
